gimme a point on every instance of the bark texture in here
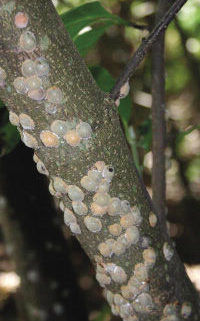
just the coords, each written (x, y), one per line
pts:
(158, 119)
(160, 278)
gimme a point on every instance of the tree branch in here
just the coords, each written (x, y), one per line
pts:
(146, 45)
(90, 167)
(158, 119)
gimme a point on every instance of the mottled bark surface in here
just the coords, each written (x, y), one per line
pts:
(166, 281)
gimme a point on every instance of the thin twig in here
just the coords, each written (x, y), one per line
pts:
(158, 119)
(145, 47)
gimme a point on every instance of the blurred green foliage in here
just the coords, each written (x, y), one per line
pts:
(193, 172)
(88, 14)
(189, 18)
(94, 19)
(8, 134)
(182, 134)
(104, 313)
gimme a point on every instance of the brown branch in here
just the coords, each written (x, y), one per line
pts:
(146, 45)
(158, 119)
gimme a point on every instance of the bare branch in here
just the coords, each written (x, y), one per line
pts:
(158, 119)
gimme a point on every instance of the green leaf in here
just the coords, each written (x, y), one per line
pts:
(106, 82)
(125, 109)
(182, 134)
(193, 170)
(87, 40)
(104, 314)
(102, 77)
(1, 104)
(91, 15)
(131, 138)
(145, 134)
(9, 136)
(87, 15)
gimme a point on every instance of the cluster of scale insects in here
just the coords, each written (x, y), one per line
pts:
(134, 297)
(34, 83)
(124, 232)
